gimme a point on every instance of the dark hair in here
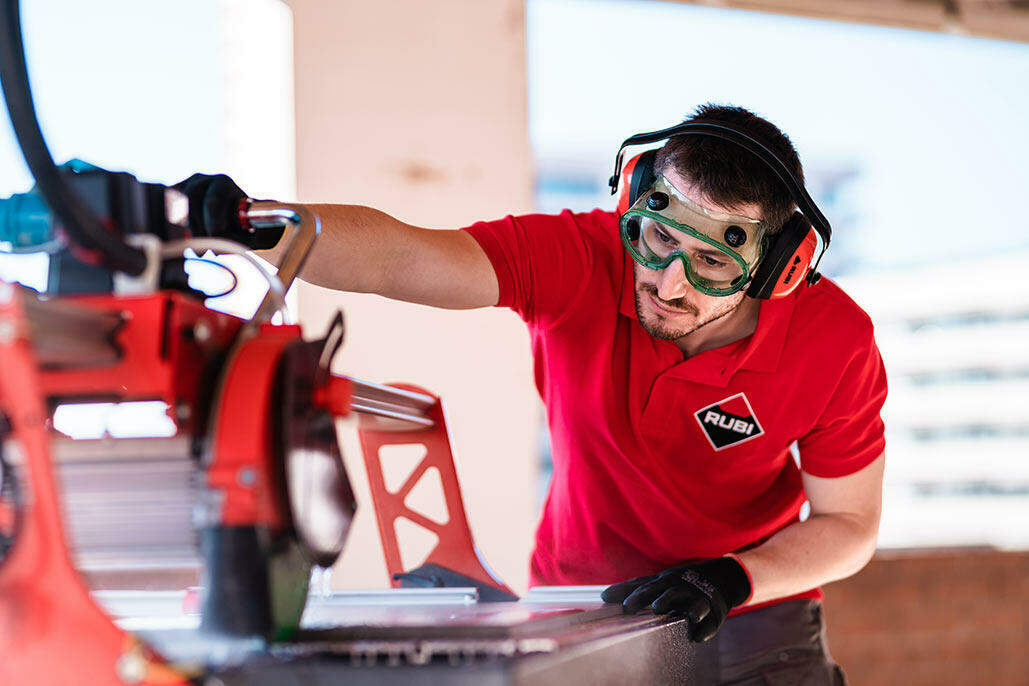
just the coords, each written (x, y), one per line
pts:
(725, 173)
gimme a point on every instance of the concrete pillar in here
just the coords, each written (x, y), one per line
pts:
(419, 109)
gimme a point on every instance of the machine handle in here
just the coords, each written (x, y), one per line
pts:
(303, 227)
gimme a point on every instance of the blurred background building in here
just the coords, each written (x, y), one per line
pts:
(913, 144)
(911, 118)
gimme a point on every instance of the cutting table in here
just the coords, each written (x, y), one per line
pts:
(554, 635)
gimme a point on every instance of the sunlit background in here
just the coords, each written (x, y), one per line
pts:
(914, 145)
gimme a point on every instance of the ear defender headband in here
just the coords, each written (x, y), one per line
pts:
(790, 251)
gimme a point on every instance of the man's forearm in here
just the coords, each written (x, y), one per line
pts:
(347, 255)
(364, 250)
(807, 554)
(360, 249)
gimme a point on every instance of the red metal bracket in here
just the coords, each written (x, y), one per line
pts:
(456, 549)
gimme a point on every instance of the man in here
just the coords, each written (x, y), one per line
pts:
(673, 398)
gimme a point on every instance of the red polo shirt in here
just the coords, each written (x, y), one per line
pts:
(660, 459)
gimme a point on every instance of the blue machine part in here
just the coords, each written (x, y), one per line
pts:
(25, 220)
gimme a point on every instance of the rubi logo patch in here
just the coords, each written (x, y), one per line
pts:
(729, 422)
(789, 275)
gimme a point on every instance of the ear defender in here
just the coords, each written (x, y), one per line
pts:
(637, 177)
(789, 257)
(790, 252)
(786, 261)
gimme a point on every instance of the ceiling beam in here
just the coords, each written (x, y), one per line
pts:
(1003, 19)
(992, 19)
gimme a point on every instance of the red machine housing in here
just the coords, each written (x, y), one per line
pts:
(220, 378)
(51, 630)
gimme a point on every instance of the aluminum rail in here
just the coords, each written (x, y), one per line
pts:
(391, 403)
(128, 502)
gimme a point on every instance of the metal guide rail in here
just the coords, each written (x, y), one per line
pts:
(391, 403)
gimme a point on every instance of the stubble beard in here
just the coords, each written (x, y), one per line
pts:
(655, 324)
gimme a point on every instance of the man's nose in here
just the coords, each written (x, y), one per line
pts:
(671, 281)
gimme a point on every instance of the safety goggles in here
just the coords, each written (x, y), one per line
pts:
(718, 251)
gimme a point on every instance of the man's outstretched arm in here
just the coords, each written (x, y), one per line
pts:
(360, 249)
(364, 250)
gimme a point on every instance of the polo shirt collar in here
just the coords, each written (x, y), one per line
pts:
(759, 352)
(763, 348)
(627, 301)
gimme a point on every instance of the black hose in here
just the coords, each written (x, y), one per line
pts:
(82, 226)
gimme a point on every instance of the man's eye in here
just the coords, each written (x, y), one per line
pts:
(712, 262)
(662, 236)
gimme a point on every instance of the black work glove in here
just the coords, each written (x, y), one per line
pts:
(703, 593)
(214, 210)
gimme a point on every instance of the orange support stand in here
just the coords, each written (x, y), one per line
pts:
(455, 549)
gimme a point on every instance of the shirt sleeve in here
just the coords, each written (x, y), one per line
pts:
(849, 435)
(542, 263)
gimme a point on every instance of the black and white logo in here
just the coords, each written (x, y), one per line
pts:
(729, 422)
(789, 275)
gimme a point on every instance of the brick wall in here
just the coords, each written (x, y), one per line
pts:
(932, 618)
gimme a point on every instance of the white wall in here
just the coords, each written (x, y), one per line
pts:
(419, 109)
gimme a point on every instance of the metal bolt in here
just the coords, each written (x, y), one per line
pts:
(202, 331)
(13, 453)
(183, 412)
(131, 667)
(246, 476)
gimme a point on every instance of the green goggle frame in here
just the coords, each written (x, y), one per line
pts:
(652, 261)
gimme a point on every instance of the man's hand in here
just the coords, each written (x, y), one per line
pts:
(703, 593)
(215, 204)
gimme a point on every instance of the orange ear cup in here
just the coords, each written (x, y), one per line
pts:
(625, 198)
(798, 266)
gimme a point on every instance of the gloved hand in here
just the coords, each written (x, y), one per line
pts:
(703, 593)
(215, 202)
